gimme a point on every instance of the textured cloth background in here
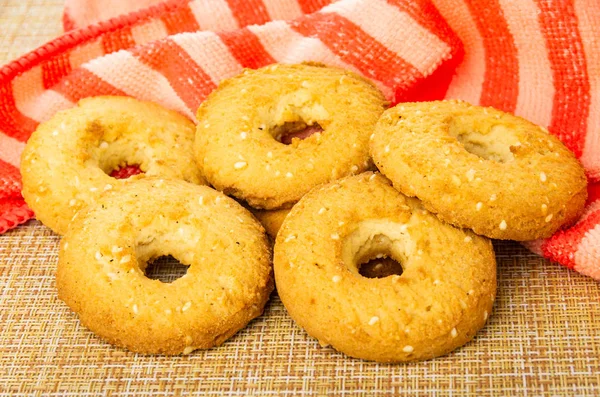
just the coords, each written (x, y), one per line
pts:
(541, 339)
(536, 58)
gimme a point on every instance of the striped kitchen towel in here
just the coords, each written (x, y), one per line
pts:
(539, 59)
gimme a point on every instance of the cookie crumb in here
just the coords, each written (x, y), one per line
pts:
(470, 175)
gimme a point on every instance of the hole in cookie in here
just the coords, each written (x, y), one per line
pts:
(380, 267)
(377, 249)
(295, 129)
(165, 269)
(495, 143)
(115, 157)
(126, 171)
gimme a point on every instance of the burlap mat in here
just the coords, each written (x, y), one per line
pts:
(542, 339)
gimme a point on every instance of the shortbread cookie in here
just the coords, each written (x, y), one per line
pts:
(481, 168)
(104, 254)
(242, 124)
(67, 161)
(441, 299)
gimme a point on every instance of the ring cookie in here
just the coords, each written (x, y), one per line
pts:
(106, 249)
(480, 168)
(67, 161)
(244, 121)
(441, 299)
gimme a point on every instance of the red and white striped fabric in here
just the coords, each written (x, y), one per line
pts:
(537, 58)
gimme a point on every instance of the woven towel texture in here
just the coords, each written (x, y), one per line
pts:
(538, 59)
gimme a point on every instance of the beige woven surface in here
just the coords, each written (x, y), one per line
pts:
(542, 339)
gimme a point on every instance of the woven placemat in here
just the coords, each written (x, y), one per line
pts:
(542, 338)
(26, 24)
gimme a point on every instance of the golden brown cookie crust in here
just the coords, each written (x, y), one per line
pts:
(102, 259)
(443, 297)
(480, 168)
(271, 220)
(66, 162)
(236, 144)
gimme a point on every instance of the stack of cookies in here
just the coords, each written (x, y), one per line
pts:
(380, 218)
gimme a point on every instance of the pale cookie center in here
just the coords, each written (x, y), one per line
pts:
(117, 155)
(296, 115)
(495, 144)
(165, 255)
(377, 249)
